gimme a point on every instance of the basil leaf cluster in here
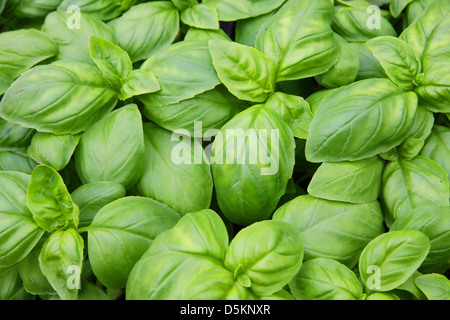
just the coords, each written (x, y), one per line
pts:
(224, 150)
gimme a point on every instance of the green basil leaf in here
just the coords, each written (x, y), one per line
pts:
(13, 135)
(71, 33)
(294, 110)
(354, 21)
(49, 201)
(33, 279)
(176, 268)
(22, 49)
(183, 70)
(138, 82)
(299, 39)
(382, 296)
(183, 4)
(11, 283)
(409, 286)
(32, 8)
(205, 34)
(19, 233)
(369, 66)
(325, 279)
(157, 18)
(435, 286)
(397, 6)
(250, 258)
(316, 98)
(113, 149)
(64, 97)
(200, 116)
(91, 197)
(409, 184)
(399, 60)
(341, 129)
(231, 10)
(412, 145)
(252, 160)
(16, 160)
(201, 15)
(247, 30)
(423, 124)
(53, 150)
(437, 147)
(90, 291)
(391, 258)
(331, 229)
(5, 82)
(120, 234)
(280, 295)
(177, 173)
(414, 10)
(113, 62)
(346, 68)
(61, 260)
(185, 262)
(410, 148)
(427, 35)
(348, 181)
(101, 9)
(434, 222)
(245, 71)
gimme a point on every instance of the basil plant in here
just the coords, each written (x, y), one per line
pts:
(224, 150)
